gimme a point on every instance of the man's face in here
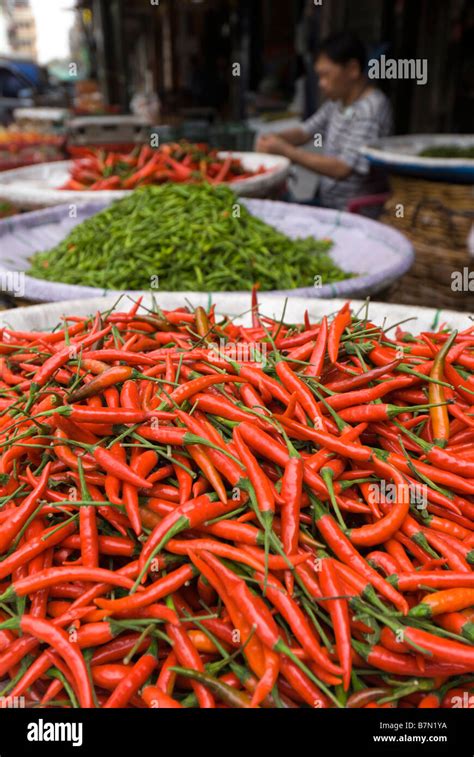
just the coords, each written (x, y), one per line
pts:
(335, 79)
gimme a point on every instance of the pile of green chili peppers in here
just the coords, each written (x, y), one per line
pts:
(184, 237)
(448, 151)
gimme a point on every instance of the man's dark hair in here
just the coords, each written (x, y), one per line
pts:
(343, 47)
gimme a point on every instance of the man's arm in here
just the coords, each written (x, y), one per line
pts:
(296, 137)
(326, 165)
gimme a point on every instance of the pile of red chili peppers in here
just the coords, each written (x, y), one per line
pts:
(194, 513)
(181, 162)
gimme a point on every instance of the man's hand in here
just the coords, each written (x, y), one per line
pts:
(326, 165)
(272, 143)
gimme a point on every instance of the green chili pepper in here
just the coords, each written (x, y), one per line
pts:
(184, 237)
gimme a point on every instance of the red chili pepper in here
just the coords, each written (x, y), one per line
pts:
(110, 377)
(154, 697)
(255, 319)
(223, 171)
(260, 381)
(181, 173)
(336, 330)
(447, 600)
(465, 387)
(253, 648)
(189, 515)
(21, 514)
(225, 409)
(132, 681)
(433, 579)
(399, 664)
(386, 527)
(339, 611)
(88, 529)
(291, 492)
(197, 385)
(51, 576)
(260, 482)
(268, 679)
(294, 384)
(158, 590)
(44, 631)
(442, 650)
(188, 656)
(35, 546)
(202, 459)
(316, 359)
(362, 379)
(345, 552)
(225, 465)
(298, 623)
(251, 556)
(111, 464)
(141, 465)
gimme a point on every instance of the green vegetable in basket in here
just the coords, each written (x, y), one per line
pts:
(186, 237)
(448, 151)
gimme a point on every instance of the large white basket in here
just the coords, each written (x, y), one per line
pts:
(38, 186)
(378, 254)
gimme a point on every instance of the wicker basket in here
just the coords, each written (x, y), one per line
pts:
(430, 280)
(433, 211)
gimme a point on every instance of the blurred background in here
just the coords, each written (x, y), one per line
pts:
(173, 58)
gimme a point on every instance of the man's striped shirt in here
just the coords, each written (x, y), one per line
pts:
(343, 131)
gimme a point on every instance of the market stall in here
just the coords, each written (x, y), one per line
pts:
(36, 136)
(237, 422)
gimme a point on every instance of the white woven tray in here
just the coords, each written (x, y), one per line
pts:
(39, 317)
(377, 253)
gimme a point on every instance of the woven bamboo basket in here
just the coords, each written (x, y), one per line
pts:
(433, 279)
(431, 211)
(437, 217)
